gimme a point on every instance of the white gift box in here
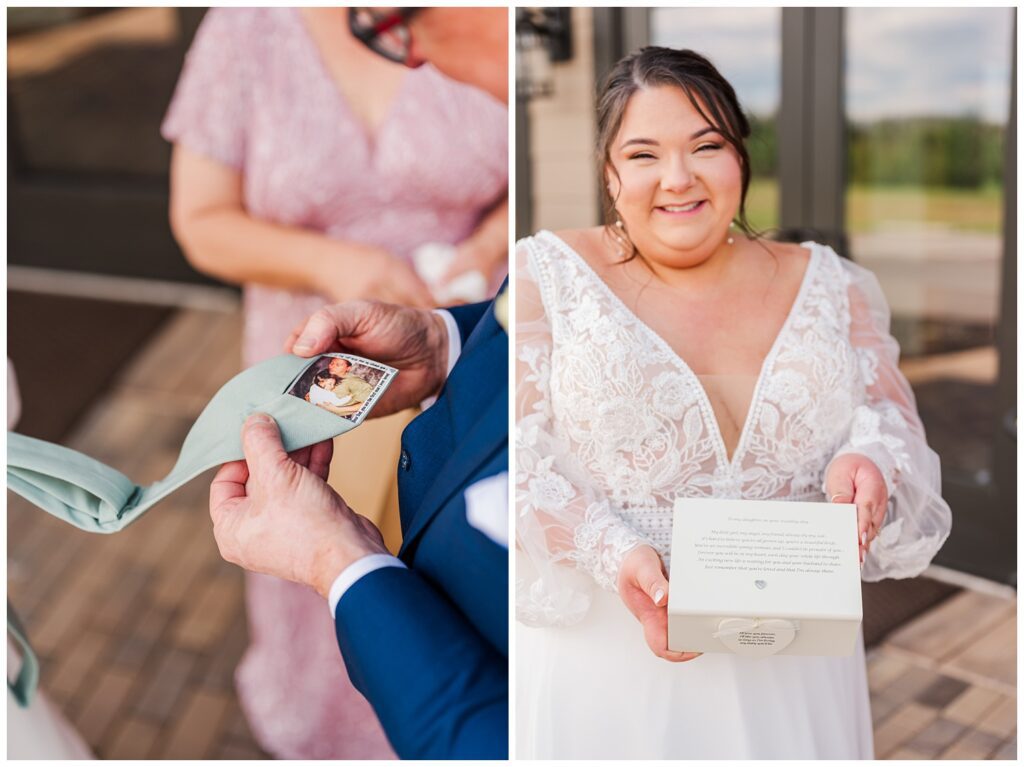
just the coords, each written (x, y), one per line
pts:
(762, 578)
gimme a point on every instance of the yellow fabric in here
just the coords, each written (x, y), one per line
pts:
(501, 309)
(364, 472)
(355, 387)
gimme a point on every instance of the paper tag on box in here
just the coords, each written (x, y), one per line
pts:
(761, 578)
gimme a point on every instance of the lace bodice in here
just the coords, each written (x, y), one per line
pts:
(613, 425)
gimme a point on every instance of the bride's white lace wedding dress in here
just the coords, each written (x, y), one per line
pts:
(612, 426)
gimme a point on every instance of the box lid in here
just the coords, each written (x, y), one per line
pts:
(765, 559)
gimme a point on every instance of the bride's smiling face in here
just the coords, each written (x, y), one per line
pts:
(675, 180)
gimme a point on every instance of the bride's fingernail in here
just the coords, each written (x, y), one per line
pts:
(863, 538)
(658, 596)
(306, 342)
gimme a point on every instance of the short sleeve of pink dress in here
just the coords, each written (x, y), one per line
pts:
(255, 95)
(211, 102)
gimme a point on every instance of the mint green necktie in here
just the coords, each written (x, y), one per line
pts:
(23, 688)
(94, 497)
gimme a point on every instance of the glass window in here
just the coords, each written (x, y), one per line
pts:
(927, 103)
(745, 46)
(88, 88)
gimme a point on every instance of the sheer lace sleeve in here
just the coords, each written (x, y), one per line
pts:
(887, 429)
(565, 526)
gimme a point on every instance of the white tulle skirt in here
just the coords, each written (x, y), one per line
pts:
(595, 691)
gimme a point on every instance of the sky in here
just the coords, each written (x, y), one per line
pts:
(900, 62)
(745, 45)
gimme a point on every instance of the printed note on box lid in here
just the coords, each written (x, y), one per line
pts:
(764, 577)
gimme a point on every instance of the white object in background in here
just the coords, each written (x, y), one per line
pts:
(39, 731)
(13, 398)
(761, 578)
(431, 262)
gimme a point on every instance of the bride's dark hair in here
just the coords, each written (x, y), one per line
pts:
(709, 92)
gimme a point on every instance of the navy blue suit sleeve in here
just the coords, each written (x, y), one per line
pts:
(467, 316)
(438, 687)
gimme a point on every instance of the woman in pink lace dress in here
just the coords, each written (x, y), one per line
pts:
(308, 169)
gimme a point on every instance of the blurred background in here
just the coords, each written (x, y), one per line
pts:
(117, 344)
(890, 134)
(138, 634)
(87, 170)
(87, 179)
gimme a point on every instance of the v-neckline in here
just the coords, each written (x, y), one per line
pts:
(369, 134)
(703, 400)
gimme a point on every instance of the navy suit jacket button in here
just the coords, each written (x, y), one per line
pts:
(403, 460)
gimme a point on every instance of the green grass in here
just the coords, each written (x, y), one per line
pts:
(763, 203)
(967, 210)
(870, 207)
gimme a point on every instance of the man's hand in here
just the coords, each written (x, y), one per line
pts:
(413, 340)
(854, 478)
(643, 588)
(274, 513)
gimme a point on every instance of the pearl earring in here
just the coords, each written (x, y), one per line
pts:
(620, 238)
(730, 240)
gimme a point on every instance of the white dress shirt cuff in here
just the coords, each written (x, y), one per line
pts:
(454, 349)
(354, 572)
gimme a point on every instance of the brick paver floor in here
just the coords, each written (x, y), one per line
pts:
(139, 632)
(944, 685)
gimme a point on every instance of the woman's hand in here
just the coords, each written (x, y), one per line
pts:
(486, 250)
(643, 588)
(219, 237)
(367, 272)
(472, 256)
(854, 478)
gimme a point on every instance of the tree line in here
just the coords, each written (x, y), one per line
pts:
(960, 152)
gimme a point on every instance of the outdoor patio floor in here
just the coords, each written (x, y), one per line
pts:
(139, 633)
(944, 685)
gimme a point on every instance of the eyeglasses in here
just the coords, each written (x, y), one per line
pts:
(384, 31)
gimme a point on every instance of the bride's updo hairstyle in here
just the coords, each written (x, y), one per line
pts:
(709, 92)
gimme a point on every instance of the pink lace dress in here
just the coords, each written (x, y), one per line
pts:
(255, 95)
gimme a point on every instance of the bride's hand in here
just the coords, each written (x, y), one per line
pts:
(643, 588)
(854, 478)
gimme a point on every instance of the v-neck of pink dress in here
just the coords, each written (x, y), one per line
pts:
(255, 95)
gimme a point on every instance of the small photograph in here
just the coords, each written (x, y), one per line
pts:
(383, 138)
(344, 384)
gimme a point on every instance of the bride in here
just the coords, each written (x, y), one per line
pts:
(668, 354)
